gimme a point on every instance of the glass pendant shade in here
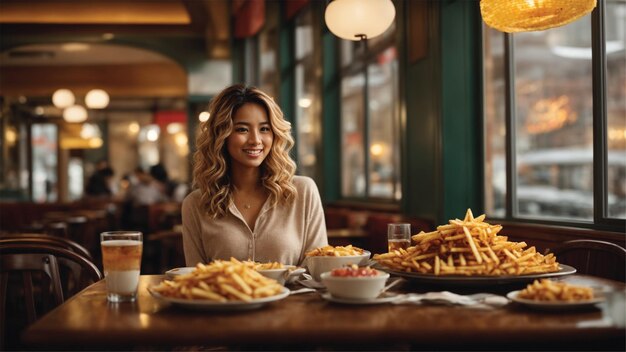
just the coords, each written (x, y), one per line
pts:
(513, 16)
(97, 99)
(63, 98)
(359, 19)
(75, 114)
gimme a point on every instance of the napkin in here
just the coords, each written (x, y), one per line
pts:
(475, 301)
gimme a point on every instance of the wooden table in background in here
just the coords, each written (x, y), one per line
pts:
(88, 321)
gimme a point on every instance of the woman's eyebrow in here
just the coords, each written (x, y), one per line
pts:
(249, 124)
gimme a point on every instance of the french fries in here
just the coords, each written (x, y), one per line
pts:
(548, 290)
(220, 281)
(467, 247)
(339, 251)
(264, 266)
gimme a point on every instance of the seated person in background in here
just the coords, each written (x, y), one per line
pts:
(247, 203)
(146, 190)
(99, 184)
(159, 174)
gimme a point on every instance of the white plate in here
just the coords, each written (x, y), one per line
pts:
(179, 271)
(556, 305)
(386, 297)
(202, 304)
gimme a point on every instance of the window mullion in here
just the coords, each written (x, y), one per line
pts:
(600, 150)
(366, 118)
(511, 168)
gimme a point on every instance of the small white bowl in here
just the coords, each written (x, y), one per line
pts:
(358, 288)
(282, 275)
(321, 264)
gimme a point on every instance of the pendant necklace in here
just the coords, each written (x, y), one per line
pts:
(247, 206)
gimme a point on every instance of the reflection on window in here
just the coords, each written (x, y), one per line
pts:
(384, 141)
(44, 153)
(370, 139)
(616, 107)
(75, 175)
(554, 110)
(352, 127)
(495, 130)
(268, 52)
(307, 97)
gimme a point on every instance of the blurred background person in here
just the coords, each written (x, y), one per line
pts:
(100, 183)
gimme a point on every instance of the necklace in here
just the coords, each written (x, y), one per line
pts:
(247, 206)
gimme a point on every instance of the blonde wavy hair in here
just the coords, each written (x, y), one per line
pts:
(211, 171)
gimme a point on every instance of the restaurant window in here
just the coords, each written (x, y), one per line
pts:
(44, 141)
(370, 147)
(551, 105)
(268, 51)
(307, 92)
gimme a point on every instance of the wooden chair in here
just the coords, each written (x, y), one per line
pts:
(32, 283)
(593, 257)
(170, 249)
(37, 238)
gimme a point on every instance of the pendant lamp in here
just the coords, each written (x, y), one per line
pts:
(513, 16)
(75, 114)
(97, 99)
(359, 19)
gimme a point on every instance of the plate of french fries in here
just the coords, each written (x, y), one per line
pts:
(469, 252)
(220, 285)
(547, 294)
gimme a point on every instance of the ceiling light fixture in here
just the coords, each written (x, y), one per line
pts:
(513, 16)
(97, 99)
(63, 98)
(75, 114)
(359, 19)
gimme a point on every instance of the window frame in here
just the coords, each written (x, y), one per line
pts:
(600, 221)
(362, 58)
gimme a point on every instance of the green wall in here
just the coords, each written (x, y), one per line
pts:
(461, 106)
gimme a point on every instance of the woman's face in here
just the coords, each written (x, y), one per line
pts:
(251, 139)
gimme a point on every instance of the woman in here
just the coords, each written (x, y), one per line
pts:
(247, 203)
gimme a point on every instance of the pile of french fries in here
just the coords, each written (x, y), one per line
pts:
(221, 281)
(338, 251)
(548, 290)
(467, 247)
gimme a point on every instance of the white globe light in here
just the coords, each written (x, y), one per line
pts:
(97, 99)
(355, 19)
(63, 98)
(75, 114)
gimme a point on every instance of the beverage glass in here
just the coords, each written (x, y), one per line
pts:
(398, 236)
(121, 259)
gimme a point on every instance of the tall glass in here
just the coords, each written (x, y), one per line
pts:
(398, 236)
(121, 259)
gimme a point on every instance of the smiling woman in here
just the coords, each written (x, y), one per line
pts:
(248, 204)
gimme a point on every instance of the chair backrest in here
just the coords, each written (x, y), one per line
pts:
(170, 246)
(35, 238)
(593, 257)
(35, 278)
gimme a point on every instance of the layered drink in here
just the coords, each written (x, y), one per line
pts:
(121, 257)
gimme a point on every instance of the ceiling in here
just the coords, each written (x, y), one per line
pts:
(45, 43)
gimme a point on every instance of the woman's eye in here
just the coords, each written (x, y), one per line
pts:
(265, 129)
(241, 129)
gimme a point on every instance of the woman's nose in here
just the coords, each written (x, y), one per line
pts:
(254, 138)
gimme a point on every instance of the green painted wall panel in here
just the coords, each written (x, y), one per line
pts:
(331, 126)
(460, 106)
(421, 188)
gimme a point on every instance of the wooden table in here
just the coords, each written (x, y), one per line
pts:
(87, 320)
